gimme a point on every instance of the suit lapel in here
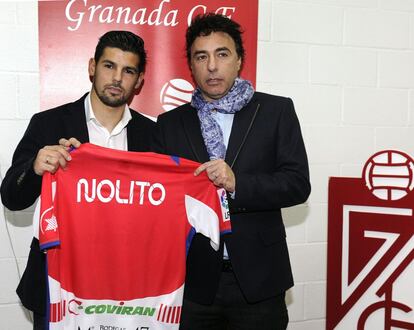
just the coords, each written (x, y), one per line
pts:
(75, 121)
(191, 126)
(132, 132)
(137, 133)
(242, 122)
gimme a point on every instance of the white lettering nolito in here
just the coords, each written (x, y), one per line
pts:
(125, 15)
(107, 191)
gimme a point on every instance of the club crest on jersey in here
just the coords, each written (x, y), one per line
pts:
(48, 221)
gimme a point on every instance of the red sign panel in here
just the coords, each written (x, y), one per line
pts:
(371, 246)
(69, 32)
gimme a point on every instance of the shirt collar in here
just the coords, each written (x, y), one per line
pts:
(90, 115)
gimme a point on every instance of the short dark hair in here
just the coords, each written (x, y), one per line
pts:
(124, 40)
(205, 24)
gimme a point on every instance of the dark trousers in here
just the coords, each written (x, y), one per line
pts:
(231, 311)
(39, 321)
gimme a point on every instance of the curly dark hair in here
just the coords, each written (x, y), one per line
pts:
(205, 24)
(124, 40)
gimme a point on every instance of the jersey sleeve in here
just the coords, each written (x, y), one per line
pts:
(209, 216)
(48, 223)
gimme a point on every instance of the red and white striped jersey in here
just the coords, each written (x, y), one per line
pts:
(116, 226)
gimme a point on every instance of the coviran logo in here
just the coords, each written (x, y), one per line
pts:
(106, 191)
(76, 307)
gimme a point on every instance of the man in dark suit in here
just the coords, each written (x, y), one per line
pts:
(101, 117)
(250, 143)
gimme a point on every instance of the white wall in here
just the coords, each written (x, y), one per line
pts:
(347, 64)
(349, 67)
(19, 99)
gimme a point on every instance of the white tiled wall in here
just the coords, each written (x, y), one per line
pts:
(19, 99)
(349, 67)
(347, 64)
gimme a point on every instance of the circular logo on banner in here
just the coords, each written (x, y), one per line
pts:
(389, 174)
(174, 93)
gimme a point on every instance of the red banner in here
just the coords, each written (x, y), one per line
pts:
(69, 32)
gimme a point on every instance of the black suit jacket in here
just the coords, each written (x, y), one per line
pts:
(268, 157)
(21, 186)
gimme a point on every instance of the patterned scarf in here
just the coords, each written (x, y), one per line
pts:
(237, 97)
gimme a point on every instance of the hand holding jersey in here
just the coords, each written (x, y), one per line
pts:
(72, 142)
(219, 173)
(50, 158)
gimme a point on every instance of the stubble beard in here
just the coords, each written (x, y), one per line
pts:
(111, 101)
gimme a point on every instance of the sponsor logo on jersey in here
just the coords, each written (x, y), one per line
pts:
(224, 203)
(73, 306)
(77, 307)
(110, 327)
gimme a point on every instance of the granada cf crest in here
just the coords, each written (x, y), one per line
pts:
(370, 280)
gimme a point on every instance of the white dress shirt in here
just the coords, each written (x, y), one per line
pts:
(99, 135)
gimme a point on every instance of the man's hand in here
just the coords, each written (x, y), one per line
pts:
(220, 173)
(50, 158)
(72, 142)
